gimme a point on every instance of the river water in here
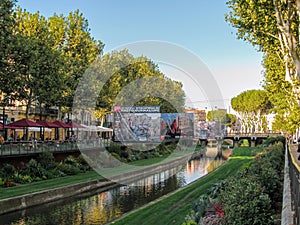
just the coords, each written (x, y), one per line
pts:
(100, 208)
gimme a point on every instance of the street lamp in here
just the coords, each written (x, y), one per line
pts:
(4, 103)
(3, 119)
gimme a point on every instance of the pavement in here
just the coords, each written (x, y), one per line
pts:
(295, 154)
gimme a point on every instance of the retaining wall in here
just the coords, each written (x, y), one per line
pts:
(287, 213)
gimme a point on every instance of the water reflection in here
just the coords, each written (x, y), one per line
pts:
(101, 208)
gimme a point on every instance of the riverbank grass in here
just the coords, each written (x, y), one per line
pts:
(173, 208)
(48, 184)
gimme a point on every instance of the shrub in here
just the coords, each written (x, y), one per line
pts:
(70, 160)
(217, 188)
(68, 169)
(198, 209)
(84, 166)
(34, 169)
(190, 222)
(244, 143)
(27, 179)
(245, 202)
(46, 160)
(274, 140)
(54, 173)
(267, 169)
(18, 178)
(7, 171)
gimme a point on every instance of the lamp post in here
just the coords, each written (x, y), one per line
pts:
(3, 120)
(4, 103)
(3, 117)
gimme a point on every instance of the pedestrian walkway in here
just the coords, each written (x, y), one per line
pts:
(295, 154)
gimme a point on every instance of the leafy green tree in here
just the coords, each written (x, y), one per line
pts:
(70, 40)
(272, 26)
(36, 73)
(6, 46)
(79, 49)
(280, 95)
(118, 78)
(252, 106)
(217, 115)
(136, 81)
(230, 120)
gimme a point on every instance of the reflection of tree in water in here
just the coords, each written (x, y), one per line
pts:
(92, 210)
(148, 189)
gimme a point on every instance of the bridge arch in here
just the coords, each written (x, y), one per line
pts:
(253, 138)
(227, 142)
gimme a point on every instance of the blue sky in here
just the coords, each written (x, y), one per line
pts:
(197, 25)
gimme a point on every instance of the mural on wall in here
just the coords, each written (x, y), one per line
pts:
(137, 123)
(177, 124)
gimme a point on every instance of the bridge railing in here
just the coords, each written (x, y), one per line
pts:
(252, 134)
(294, 171)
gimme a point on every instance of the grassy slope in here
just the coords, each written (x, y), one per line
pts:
(173, 208)
(47, 184)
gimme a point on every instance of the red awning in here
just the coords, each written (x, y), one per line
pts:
(46, 123)
(24, 123)
(7, 127)
(61, 124)
(75, 125)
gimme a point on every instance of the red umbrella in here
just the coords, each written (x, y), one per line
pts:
(7, 127)
(46, 123)
(75, 125)
(61, 124)
(24, 123)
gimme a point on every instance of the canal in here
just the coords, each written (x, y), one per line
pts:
(102, 207)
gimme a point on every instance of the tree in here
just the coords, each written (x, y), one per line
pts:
(217, 115)
(252, 106)
(6, 46)
(79, 49)
(37, 67)
(118, 78)
(272, 26)
(280, 95)
(136, 81)
(36, 72)
(70, 39)
(230, 120)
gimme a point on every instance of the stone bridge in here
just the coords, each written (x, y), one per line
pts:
(254, 139)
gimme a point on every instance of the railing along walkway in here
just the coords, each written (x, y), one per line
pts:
(294, 171)
(251, 134)
(27, 148)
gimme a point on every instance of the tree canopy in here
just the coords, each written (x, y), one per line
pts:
(252, 106)
(273, 28)
(43, 60)
(119, 78)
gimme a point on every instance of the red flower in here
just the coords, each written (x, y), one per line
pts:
(219, 209)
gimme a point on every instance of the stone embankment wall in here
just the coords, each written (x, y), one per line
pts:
(287, 213)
